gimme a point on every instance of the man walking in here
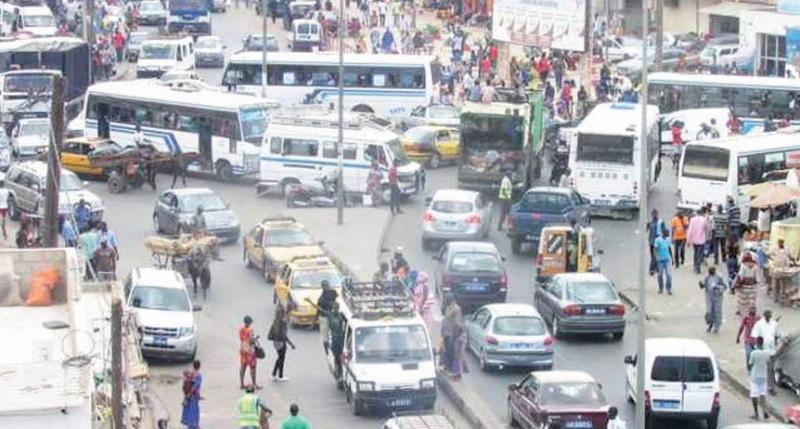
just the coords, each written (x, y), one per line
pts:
(766, 330)
(714, 286)
(719, 234)
(504, 197)
(251, 410)
(678, 224)
(295, 420)
(746, 331)
(697, 235)
(734, 217)
(662, 249)
(394, 200)
(654, 230)
(759, 362)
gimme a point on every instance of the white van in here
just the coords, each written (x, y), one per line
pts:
(301, 147)
(681, 380)
(36, 20)
(307, 35)
(387, 361)
(692, 120)
(8, 16)
(162, 54)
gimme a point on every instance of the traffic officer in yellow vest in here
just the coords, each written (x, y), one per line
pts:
(505, 199)
(251, 411)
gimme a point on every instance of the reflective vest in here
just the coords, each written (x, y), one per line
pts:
(505, 189)
(249, 411)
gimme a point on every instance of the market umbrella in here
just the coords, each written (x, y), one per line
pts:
(774, 195)
(758, 188)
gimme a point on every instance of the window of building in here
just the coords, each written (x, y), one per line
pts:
(771, 55)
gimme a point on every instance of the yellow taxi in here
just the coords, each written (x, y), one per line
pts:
(431, 144)
(273, 242)
(301, 280)
(76, 152)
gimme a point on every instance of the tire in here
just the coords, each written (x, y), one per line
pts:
(426, 244)
(554, 326)
(516, 245)
(116, 182)
(780, 379)
(157, 225)
(224, 171)
(362, 108)
(712, 422)
(284, 186)
(649, 421)
(290, 204)
(617, 336)
(13, 210)
(485, 367)
(435, 161)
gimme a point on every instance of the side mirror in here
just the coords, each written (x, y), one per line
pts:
(630, 360)
(503, 258)
(512, 387)
(428, 200)
(197, 307)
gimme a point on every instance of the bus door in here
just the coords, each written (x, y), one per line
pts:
(204, 143)
(103, 121)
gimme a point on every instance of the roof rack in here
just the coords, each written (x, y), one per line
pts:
(314, 122)
(377, 300)
(279, 219)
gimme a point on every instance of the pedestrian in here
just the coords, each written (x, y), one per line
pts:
(714, 286)
(399, 262)
(104, 233)
(325, 302)
(4, 194)
(558, 70)
(451, 323)
(566, 179)
(766, 330)
(83, 215)
(295, 420)
(663, 255)
(279, 335)
(697, 234)
(487, 92)
(424, 301)
(543, 67)
(655, 229)
(199, 268)
(459, 365)
(764, 221)
(733, 258)
(734, 218)
(374, 183)
(394, 200)
(383, 10)
(759, 375)
(247, 353)
(747, 283)
(22, 238)
(719, 234)
(192, 382)
(614, 419)
(105, 262)
(504, 197)
(387, 41)
(87, 244)
(678, 225)
(118, 39)
(198, 222)
(68, 232)
(746, 332)
(253, 414)
(382, 275)
(179, 168)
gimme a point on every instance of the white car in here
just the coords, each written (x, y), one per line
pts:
(163, 312)
(31, 137)
(436, 114)
(209, 51)
(456, 214)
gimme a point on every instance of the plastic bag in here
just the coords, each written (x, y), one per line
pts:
(42, 284)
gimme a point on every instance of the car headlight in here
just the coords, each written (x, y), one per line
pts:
(185, 332)
(428, 383)
(366, 386)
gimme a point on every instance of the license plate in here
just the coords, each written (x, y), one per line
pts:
(579, 424)
(403, 402)
(521, 346)
(160, 341)
(476, 287)
(530, 237)
(595, 311)
(670, 405)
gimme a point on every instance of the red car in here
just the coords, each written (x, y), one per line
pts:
(563, 399)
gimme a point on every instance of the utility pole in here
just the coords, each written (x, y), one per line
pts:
(659, 34)
(264, 48)
(53, 168)
(644, 164)
(116, 363)
(340, 167)
(588, 45)
(88, 31)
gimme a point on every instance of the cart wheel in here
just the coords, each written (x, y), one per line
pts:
(116, 182)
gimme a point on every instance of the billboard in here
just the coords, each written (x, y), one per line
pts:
(557, 24)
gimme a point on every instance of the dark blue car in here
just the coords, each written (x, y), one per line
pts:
(542, 206)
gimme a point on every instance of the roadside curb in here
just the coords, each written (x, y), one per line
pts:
(382, 238)
(477, 417)
(737, 386)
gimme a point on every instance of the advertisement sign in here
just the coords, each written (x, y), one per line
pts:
(557, 24)
(789, 7)
(793, 47)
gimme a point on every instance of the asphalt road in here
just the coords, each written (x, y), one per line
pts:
(600, 357)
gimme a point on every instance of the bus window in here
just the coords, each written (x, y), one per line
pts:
(349, 151)
(702, 162)
(300, 147)
(329, 150)
(372, 152)
(275, 145)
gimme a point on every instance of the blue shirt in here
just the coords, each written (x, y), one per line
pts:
(68, 231)
(654, 230)
(662, 248)
(82, 216)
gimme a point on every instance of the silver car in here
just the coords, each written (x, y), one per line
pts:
(175, 207)
(581, 303)
(455, 214)
(503, 335)
(152, 12)
(437, 114)
(209, 51)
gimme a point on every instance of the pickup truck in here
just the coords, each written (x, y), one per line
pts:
(541, 206)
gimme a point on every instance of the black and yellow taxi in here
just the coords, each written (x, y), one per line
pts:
(300, 281)
(431, 144)
(77, 152)
(273, 242)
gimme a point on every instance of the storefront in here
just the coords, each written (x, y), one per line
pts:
(723, 18)
(765, 31)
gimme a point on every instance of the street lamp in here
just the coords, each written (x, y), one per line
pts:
(340, 168)
(640, 355)
(264, 48)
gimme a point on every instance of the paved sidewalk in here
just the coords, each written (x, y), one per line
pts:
(682, 315)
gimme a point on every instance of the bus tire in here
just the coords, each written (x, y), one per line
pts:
(362, 108)
(116, 182)
(224, 171)
(435, 161)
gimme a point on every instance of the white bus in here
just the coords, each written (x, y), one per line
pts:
(712, 170)
(605, 153)
(301, 147)
(752, 98)
(388, 85)
(225, 129)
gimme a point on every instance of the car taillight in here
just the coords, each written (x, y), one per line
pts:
(492, 340)
(539, 260)
(537, 216)
(474, 220)
(503, 282)
(716, 401)
(548, 341)
(647, 399)
(428, 217)
(572, 310)
(616, 310)
(510, 223)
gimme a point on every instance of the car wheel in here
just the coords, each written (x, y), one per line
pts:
(157, 224)
(516, 245)
(649, 421)
(224, 171)
(435, 160)
(780, 379)
(13, 210)
(485, 367)
(712, 422)
(556, 330)
(426, 243)
(618, 335)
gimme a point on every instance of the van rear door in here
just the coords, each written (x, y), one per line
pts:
(666, 386)
(699, 384)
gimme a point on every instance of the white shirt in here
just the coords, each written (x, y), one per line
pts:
(763, 220)
(4, 198)
(616, 423)
(768, 331)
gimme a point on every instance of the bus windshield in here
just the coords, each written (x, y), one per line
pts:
(36, 83)
(254, 123)
(152, 51)
(614, 149)
(708, 163)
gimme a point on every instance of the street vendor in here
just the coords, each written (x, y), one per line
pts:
(780, 262)
(198, 222)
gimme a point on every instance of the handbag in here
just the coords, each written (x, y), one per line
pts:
(260, 354)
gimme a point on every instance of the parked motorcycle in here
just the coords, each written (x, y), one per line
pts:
(320, 192)
(558, 170)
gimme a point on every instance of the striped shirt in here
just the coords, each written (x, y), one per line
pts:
(734, 215)
(720, 225)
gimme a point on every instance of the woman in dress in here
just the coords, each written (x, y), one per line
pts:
(747, 283)
(423, 301)
(190, 414)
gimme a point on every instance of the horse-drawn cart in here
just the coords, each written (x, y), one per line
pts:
(169, 253)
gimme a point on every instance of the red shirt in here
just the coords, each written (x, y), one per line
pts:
(747, 324)
(393, 175)
(676, 136)
(493, 53)
(486, 66)
(566, 93)
(119, 40)
(543, 65)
